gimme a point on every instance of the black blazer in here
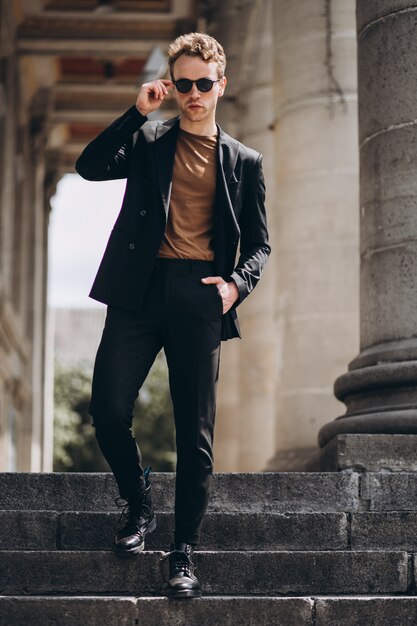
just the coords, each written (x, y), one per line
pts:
(144, 154)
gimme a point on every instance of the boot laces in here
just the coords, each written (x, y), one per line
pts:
(131, 513)
(133, 510)
(179, 561)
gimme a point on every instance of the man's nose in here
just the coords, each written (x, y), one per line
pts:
(194, 91)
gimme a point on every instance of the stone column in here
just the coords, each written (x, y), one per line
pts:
(245, 429)
(17, 371)
(316, 251)
(380, 388)
(226, 443)
(39, 288)
(259, 347)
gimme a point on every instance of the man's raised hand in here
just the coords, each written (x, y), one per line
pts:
(151, 95)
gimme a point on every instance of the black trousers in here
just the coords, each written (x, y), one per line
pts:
(183, 316)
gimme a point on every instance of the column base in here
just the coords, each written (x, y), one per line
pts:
(380, 392)
(384, 423)
(366, 453)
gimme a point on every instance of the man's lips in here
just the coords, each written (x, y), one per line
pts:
(194, 106)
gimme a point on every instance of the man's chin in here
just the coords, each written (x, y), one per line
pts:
(195, 115)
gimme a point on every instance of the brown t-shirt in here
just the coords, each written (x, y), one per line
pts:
(189, 227)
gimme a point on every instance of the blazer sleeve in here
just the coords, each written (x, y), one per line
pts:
(254, 246)
(107, 156)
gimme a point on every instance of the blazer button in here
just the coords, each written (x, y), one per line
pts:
(132, 246)
(143, 212)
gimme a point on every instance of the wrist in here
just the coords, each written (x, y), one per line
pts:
(142, 111)
(234, 289)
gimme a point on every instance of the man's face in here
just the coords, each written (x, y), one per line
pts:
(196, 105)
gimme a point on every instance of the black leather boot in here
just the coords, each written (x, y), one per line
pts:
(182, 581)
(137, 519)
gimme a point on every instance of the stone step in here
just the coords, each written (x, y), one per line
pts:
(366, 611)
(209, 611)
(53, 530)
(46, 530)
(392, 530)
(113, 611)
(366, 452)
(226, 573)
(268, 491)
(258, 492)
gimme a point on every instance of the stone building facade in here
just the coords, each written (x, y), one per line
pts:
(24, 208)
(70, 67)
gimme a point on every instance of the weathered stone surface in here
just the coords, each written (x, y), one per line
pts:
(221, 531)
(286, 492)
(276, 531)
(384, 531)
(23, 573)
(382, 398)
(393, 266)
(237, 611)
(387, 92)
(377, 421)
(366, 452)
(59, 491)
(368, 11)
(113, 611)
(390, 492)
(208, 611)
(95, 531)
(28, 531)
(366, 611)
(414, 566)
(302, 573)
(402, 349)
(387, 197)
(257, 492)
(260, 573)
(91, 611)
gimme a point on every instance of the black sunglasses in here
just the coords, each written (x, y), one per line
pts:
(184, 85)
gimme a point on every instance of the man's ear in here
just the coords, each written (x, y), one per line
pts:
(223, 83)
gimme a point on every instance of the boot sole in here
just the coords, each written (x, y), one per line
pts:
(133, 551)
(181, 593)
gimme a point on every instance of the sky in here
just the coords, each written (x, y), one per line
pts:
(82, 216)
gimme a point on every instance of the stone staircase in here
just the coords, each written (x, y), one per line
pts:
(289, 549)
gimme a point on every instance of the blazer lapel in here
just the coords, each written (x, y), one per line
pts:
(165, 142)
(227, 156)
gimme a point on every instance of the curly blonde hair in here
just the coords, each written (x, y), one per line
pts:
(197, 44)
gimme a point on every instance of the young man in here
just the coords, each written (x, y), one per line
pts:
(170, 279)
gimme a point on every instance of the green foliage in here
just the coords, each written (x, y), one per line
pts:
(75, 446)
